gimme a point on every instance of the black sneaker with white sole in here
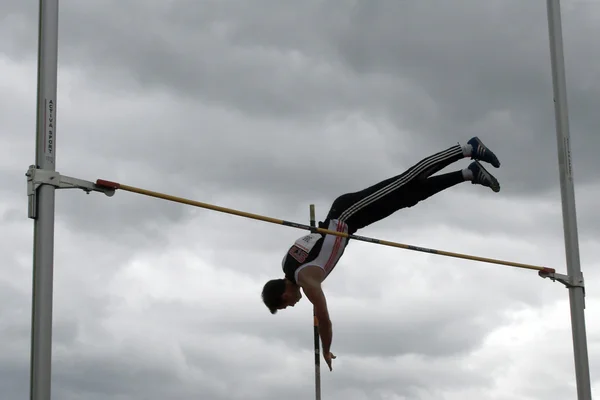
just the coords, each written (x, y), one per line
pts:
(482, 152)
(482, 177)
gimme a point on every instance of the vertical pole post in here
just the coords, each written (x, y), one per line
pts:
(43, 203)
(576, 293)
(316, 329)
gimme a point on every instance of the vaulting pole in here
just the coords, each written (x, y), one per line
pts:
(41, 206)
(317, 343)
(576, 292)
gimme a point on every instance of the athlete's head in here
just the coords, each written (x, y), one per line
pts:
(279, 294)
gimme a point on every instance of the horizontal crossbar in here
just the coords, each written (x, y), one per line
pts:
(115, 186)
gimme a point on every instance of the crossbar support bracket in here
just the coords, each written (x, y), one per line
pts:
(568, 281)
(37, 177)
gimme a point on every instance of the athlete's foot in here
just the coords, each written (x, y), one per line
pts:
(481, 152)
(483, 177)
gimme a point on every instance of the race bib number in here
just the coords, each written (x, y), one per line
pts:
(303, 246)
(307, 242)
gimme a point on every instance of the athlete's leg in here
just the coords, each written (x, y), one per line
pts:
(347, 204)
(476, 173)
(418, 190)
(403, 197)
(358, 208)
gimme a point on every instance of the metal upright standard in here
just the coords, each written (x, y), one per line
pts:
(41, 206)
(42, 180)
(576, 287)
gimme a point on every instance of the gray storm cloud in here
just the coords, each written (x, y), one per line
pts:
(268, 107)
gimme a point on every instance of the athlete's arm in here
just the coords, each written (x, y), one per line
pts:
(310, 279)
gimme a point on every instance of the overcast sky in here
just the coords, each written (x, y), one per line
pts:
(268, 107)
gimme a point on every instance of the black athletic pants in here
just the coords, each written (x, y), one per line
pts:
(379, 201)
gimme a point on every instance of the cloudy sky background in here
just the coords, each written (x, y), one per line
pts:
(267, 107)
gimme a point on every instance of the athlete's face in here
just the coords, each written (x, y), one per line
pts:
(290, 297)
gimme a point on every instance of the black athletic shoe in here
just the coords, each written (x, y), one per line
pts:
(482, 153)
(482, 177)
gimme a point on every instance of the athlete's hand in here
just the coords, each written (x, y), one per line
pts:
(328, 357)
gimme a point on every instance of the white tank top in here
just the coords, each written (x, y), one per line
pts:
(327, 258)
